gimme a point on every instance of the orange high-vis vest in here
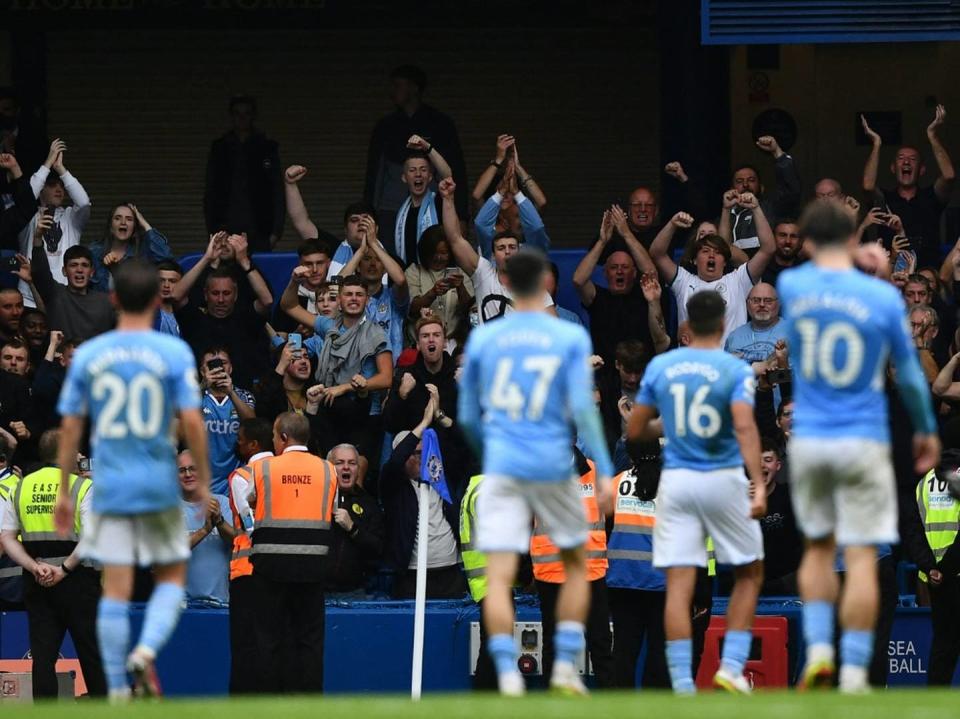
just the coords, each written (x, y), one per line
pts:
(547, 565)
(296, 494)
(240, 555)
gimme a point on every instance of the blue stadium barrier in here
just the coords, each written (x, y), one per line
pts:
(369, 645)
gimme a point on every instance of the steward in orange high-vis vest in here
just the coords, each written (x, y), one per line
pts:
(254, 442)
(548, 571)
(293, 498)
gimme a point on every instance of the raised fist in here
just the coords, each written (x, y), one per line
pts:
(675, 170)
(294, 174)
(748, 201)
(730, 199)
(682, 220)
(447, 187)
(418, 143)
(768, 143)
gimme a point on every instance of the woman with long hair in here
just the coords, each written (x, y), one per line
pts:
(128, 234)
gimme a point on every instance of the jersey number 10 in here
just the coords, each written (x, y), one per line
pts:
(507, 396)
(818, 352)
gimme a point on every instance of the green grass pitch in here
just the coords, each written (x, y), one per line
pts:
(902, 704)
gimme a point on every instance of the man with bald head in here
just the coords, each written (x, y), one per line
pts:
(625, 309)
(828, 190)
(786, 234)
(356, 543)
(755, 341)
(919, 208)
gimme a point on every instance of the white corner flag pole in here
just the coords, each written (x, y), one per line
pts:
(423, 530)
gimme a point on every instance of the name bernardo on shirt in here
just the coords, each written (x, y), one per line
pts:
(828, 301)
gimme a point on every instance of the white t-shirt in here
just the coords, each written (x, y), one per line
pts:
(733, 287)
(493, 299)
(441, 545)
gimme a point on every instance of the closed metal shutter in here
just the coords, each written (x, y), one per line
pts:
(736, 22)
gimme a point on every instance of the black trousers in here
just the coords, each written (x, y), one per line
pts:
(638, 615)
(442, 583)
(599, 639)
(70, 606)
(244, 655)
(945, 617)
(289, 614)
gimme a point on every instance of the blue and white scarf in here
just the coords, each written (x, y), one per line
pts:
(426, 217)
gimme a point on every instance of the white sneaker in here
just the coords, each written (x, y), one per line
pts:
(854, 680)
(730, 682)
(565, 680)
(511, 684)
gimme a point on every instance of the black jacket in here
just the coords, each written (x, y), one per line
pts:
(264, 185)
(47, 383)
(403, 414)
(401, 506)
(15, 218)
(354, 555)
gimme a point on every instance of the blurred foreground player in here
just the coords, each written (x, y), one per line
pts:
(843, 327)
(526, 377)
(705, 399)
(132, 383)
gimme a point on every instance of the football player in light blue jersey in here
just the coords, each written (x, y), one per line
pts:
(843, 328)
(704, 397)
(525, 393)
(132, 383)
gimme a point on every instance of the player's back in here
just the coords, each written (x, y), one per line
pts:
(693, 388)
(130, 384)
(842, 326)
(531, 368)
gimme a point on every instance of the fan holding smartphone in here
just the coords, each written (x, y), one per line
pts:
(435, 286)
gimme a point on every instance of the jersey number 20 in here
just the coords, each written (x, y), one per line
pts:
(506, 395)
(140, 401)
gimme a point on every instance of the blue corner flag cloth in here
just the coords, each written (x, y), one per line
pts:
(431, 465)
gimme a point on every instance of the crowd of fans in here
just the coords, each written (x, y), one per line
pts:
(366, 337)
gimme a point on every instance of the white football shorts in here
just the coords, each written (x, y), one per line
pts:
(144, 540)
(844, 487)
(693, 504)
(506, 507)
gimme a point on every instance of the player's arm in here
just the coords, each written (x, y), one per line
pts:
(195, 434)
(468, 404)
(914, 391)
(583, 409)
(644, 424)
(71, 432)
(745, 430)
